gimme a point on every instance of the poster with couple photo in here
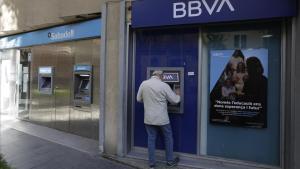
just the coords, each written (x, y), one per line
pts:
(238, 87)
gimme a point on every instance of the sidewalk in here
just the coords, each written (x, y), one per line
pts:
(29, 146)
(46, 148)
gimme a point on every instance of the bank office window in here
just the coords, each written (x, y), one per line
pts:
(242, 74)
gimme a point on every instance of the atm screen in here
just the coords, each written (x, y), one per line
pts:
(84, 84)
(46, 82)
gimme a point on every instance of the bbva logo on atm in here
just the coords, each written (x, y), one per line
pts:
(195, 8)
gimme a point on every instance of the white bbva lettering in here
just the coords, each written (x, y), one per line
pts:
(210, 10)
(179, 10)
(229, 5)
(194, 8)
(168, 77)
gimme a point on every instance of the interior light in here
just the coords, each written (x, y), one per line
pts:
(267, 36)
(83, 75)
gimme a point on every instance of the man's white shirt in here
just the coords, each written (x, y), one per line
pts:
(155, 94)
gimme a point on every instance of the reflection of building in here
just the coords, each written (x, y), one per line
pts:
(120, 52)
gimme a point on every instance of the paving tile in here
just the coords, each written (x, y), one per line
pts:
(23, 151)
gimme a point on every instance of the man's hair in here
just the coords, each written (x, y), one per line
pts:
(157, 73)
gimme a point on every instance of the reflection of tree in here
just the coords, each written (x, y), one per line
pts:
(8, 16)
(216, 41)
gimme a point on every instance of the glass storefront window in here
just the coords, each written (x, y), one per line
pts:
(242, 73)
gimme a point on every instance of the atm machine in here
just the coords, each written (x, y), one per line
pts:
(45, 80)
(174, 77)
(82, 86)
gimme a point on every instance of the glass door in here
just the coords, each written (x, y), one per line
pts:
(24, 83)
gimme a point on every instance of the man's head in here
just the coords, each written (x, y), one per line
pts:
(158, 73)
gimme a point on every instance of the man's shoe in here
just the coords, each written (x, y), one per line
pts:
(173, 163)
(151, 166)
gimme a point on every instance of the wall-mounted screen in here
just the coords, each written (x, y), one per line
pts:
(46, 82)
(84, 84)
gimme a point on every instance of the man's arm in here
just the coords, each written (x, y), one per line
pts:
(171, 96)
(139, 96)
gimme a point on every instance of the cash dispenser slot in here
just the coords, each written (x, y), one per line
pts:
(45, 80)
(174, 77)
(82, 86)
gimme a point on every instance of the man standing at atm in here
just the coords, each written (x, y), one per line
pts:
(155, 94)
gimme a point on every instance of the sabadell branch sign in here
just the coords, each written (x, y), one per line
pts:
(68, 34)
(149, 13)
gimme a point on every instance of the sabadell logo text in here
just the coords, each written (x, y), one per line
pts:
(61, 35)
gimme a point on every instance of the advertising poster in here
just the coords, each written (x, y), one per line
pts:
(238, 87)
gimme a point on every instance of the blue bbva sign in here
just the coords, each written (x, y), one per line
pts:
(147, 13)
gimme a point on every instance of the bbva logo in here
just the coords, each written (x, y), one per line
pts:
(168, 77)
(195, 8)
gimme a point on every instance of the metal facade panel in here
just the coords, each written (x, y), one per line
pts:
(57, 110)
(42, 105)
(96, 87)
(80, 119)
(62, 85)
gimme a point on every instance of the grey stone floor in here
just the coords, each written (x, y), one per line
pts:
(23, 151)
(30, 146)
